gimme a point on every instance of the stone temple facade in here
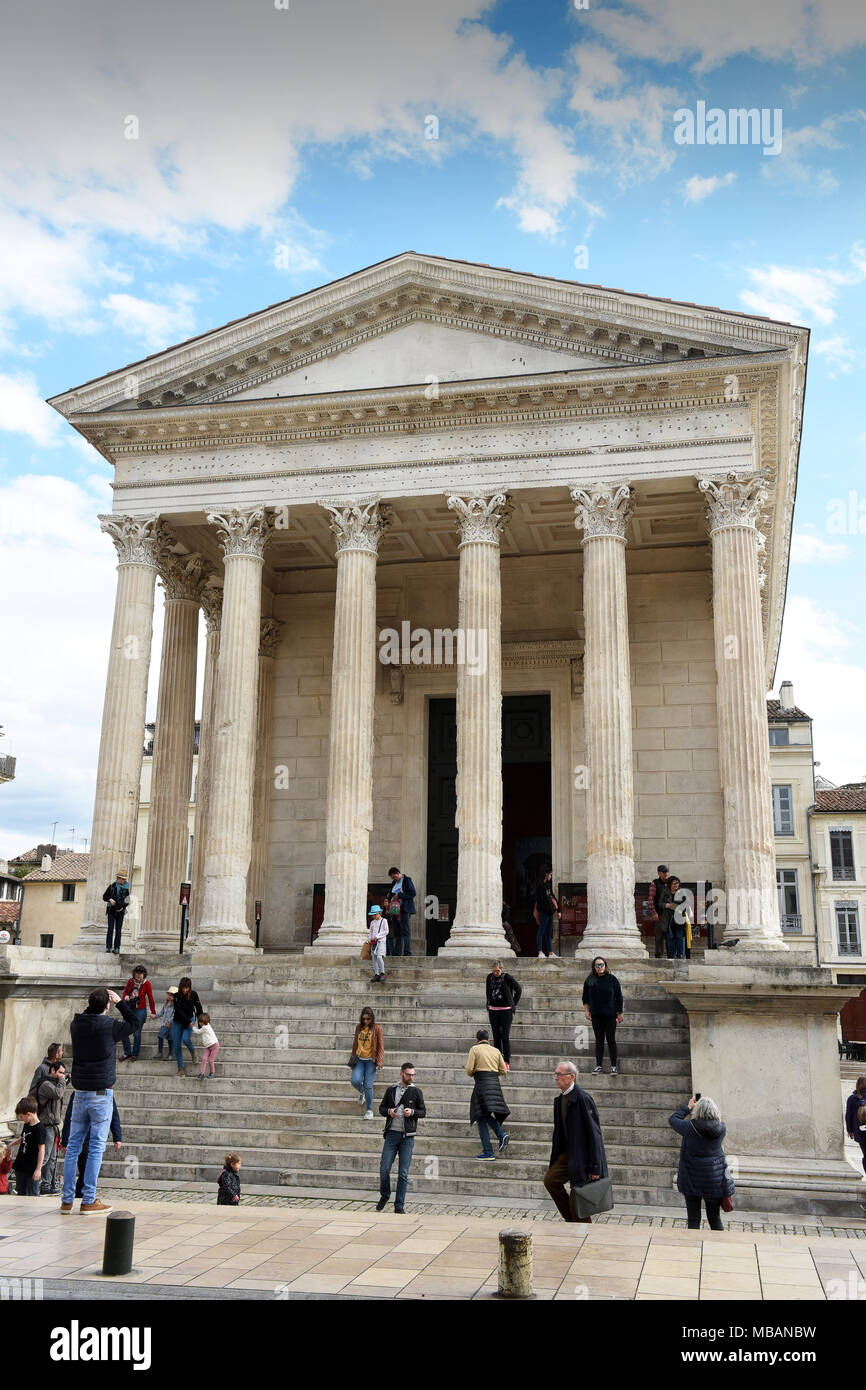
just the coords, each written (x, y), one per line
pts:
(585, 494)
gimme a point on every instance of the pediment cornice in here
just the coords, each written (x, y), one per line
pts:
(622, 329)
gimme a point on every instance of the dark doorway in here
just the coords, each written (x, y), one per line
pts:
(526, 827)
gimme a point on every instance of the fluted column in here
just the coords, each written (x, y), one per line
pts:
(173, 745)
(602, 511)
(358, 527)
(243, 534)
(269, 637)
(477, 927)
(121, 742)
(751, 903)
(211, 602)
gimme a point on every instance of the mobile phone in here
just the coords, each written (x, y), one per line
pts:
(697, 1095)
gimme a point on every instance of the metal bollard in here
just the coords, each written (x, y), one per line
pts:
(119, 1238)
(515, 1264)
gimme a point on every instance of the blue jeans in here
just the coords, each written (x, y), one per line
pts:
(395, 1143)
(484, 1133)
(675, 941)
(180, 1038)
(91, 1114)
(164, 1035)
(544, 935)
(132, 1041)
(362, 1078)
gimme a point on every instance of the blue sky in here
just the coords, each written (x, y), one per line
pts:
(306, 129)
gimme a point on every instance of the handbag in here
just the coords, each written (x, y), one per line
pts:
(592, 1198)
(353, 1060)
(727, 1204)
(366, 950)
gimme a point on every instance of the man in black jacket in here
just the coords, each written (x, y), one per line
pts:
(403, 1106)
(94, 1039)
(577, 1154)
(405, 892)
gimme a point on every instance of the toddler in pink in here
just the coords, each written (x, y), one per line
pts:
(205, 1035)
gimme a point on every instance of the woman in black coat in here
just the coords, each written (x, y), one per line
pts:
(503, 996)
(703, 1169)
(602, 1004)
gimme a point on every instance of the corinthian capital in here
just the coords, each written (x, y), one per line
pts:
(481, 518)
(242, 530)
(358, 525)
(182, 576)
(733, 500)
(269, 636)
(138, 541)
(211, 600)
(602, 509)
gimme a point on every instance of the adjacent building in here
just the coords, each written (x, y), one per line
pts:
(52, 904)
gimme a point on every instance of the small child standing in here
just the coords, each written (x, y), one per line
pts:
(229, 1182)
(378, 939)
(165, 1018)
(208, 1039)
(31, 1150)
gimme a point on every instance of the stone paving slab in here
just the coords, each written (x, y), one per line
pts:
(315, 1252)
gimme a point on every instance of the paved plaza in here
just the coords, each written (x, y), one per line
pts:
(309, 1250)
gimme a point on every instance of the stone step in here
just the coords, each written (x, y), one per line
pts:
(355, 1135)
(306, 1046)
(211, 1103)
(326, 1168)
(653, 1087)
(431, 1065)
(532, 1124)
(560, 1023)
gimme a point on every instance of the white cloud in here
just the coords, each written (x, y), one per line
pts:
(809, 549)
(806, 31)
(838, 354)
(154, 324)
(634, 120)
(696, 189)
(816, 655)
(793, 294)
(532, 219)
(23, 411)
(52, 690)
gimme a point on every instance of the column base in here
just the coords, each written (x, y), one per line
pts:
(220, 937)
(91, 935)
(752, 938)
(620, 943)
(338, 940)
(484, 941)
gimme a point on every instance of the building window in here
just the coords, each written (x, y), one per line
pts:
(780, 738)
(68, 893)
(783, 811)
(46, 941)
(789, 900)
(848, 929)
(842, 855)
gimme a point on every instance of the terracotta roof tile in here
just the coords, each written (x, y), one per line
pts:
(67, 868)
(775, 713)
(850, 797)
(9, 911)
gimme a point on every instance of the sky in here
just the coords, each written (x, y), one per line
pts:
(168, 167)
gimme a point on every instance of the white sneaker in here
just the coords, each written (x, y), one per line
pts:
(362, 1099)
(368, 1115)
(596, 1070)
(541, 955)
(553, 956)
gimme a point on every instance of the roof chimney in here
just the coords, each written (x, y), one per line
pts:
(786, 695)
(45, 866)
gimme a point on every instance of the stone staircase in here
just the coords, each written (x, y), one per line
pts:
(282, 1097)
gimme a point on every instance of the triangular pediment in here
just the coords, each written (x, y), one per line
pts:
(414, 319)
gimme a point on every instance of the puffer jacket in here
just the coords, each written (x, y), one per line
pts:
(702, 1165)
(487, 1098)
